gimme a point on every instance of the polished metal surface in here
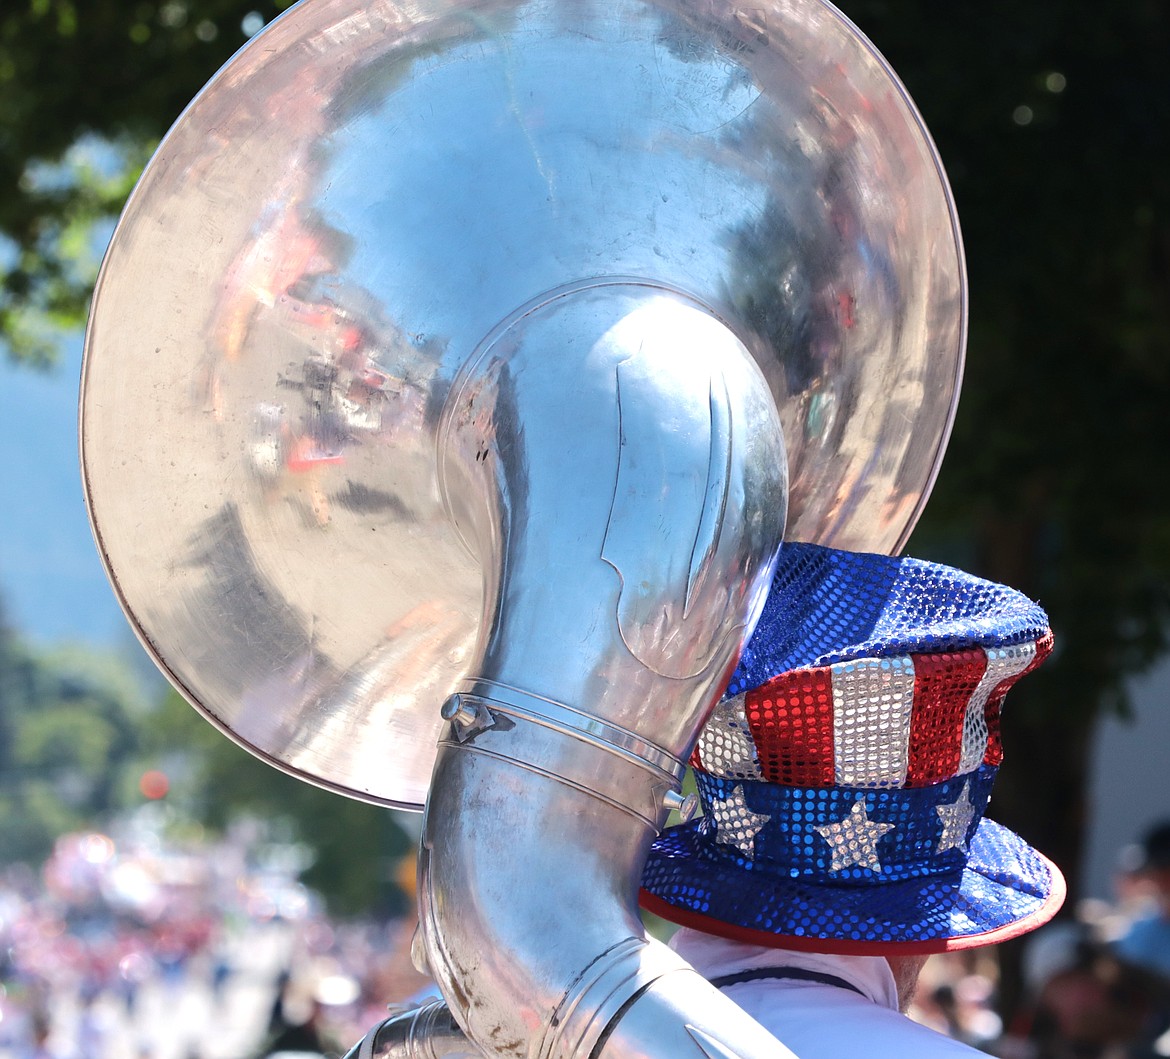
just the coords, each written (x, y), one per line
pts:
(698, 1030)
(624, 567)
(425, 1032)
(373, 195)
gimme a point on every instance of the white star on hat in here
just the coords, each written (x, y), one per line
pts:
(956, 819)
(854, 839)
(736, 824)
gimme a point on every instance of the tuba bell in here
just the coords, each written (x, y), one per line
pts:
(454, 374)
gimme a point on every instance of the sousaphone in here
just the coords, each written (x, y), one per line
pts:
(448, 377)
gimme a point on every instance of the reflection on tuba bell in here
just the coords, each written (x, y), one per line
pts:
(449, 376)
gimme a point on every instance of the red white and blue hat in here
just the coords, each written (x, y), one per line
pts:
(845, 774)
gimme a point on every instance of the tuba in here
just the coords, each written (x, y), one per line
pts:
(454, 375)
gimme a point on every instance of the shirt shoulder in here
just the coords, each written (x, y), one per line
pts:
(827, 1022)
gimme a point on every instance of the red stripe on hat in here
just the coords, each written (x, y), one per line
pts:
(791, 721)
(994, 755)
(943, 686)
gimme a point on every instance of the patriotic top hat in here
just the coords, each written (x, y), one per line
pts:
(845, 774)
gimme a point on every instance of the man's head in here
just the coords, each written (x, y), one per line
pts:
(1151, 864)
(845, 776)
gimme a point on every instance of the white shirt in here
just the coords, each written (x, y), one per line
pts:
(819, 1021)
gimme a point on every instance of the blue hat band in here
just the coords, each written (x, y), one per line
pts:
(842, 835)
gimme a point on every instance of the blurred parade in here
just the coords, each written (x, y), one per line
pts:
(131, 945)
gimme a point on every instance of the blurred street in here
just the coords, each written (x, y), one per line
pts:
(182, 1013)
(135, 947)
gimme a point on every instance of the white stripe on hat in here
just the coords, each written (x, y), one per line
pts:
(1002, 664)
(872, 702)
(726, 743)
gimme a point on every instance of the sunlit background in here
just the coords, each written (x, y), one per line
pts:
(164, 895)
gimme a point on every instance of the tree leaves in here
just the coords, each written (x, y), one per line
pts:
(86, 90)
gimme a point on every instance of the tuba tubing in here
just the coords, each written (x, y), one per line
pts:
(621, 588)
(425, 1032)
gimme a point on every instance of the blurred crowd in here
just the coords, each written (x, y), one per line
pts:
(1095, 983)
(132, 946)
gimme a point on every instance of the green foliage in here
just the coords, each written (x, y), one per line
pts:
(67, 730)
(87, 87)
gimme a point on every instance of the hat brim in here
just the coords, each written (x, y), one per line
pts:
(1006, 889)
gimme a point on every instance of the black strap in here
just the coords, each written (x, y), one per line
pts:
(798, 974)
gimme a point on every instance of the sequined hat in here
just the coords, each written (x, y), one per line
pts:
(845, 774)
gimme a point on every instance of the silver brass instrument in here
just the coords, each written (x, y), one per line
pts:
(449, 377)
